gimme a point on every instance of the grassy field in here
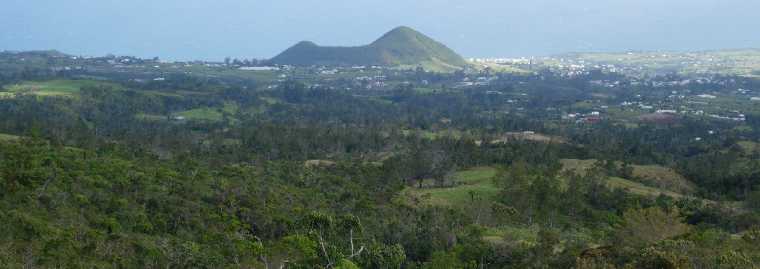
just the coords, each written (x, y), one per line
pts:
(56, 87)
(499, 68)
(666, 180)
(480, 181)
(150, 117)
(202, 114)
(476, 180)
(270, 100)
(512, 235)
(640, 189)
(7, 137)
(534, 137)
(213, 114)
(626, 114)
(261, 76)
(749, 146)
(432, 135)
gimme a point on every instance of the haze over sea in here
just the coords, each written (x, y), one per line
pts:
(195, 29)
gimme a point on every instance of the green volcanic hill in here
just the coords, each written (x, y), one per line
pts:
(401, 47)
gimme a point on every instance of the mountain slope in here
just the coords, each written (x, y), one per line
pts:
(402, 46)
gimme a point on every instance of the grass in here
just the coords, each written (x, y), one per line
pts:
(624, 113)
(512, 235)
(580, 166)
(163, 94)
(501, 68)
(477, 180)
(583, 105)
(56, 87)
(535, 137)
(432, 135)
(212, 114)
(640, 189)
(749, 146)
(666, 180)
(202, 114)
(262, 76)
(150, 117)
(7, 137)
(270, 100)
(664, 177)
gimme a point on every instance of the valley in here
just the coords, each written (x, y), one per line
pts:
(321, 158)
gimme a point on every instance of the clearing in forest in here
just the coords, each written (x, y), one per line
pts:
(661, 180)
(7, 137)
(209, 114)
(477, 180)
(61, 87)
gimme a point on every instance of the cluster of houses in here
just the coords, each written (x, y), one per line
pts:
(478, 81)
(371, 82)
(639, 104)
(733, 115)
(686, 107)
(512, 61)
(259, 68)
(591, 117)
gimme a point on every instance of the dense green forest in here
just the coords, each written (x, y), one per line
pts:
(102, 167)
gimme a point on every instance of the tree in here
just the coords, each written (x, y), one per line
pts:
(753, 199)
(320, 224)
(501, 212)
(515, 182)
(345, 264)
(381, 256)
(575, 200)
(735, 260)
(329, 231)
(626, 170)
(642, 227)
(534, 193)
(654, 258)
(443, 260)
(545, 193)
(440, 166)
(548, 239)
(290, 250)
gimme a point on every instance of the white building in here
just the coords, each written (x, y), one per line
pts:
(258, 68)
(707, 96)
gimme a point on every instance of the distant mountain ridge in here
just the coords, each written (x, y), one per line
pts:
(402, 46)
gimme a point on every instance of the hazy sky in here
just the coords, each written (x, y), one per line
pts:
(213, 29)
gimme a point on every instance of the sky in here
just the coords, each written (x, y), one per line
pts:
(215, 29)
